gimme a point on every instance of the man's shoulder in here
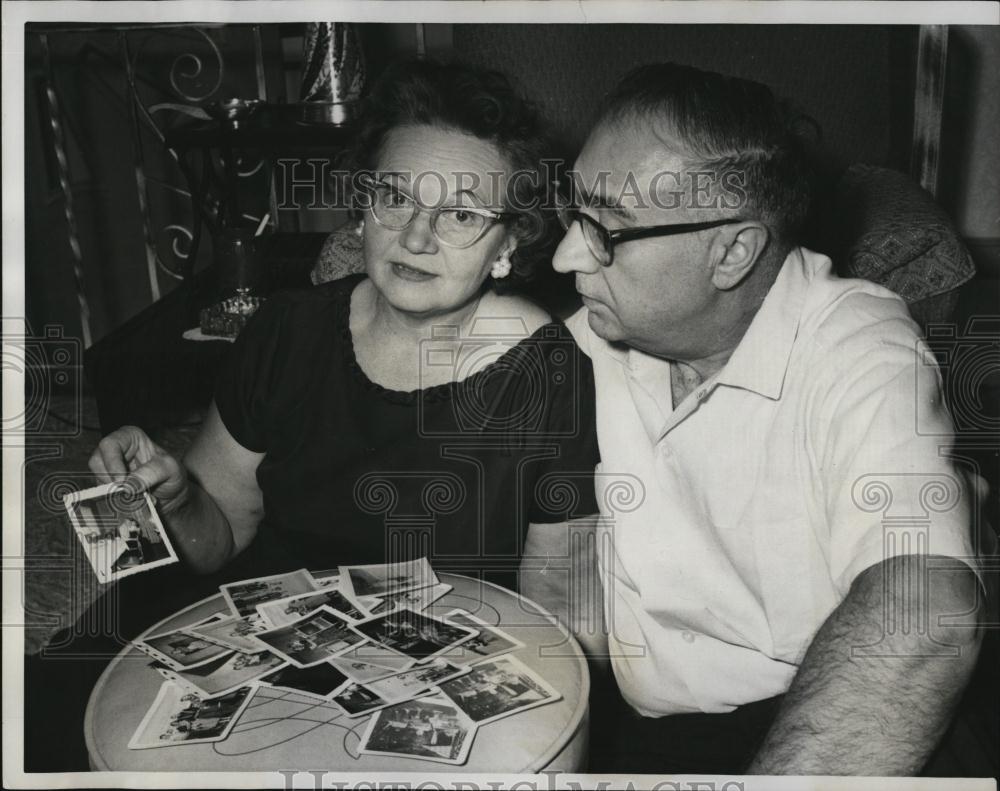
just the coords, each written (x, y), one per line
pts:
(853, 314)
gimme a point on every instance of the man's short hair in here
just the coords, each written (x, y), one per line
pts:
(726, 125)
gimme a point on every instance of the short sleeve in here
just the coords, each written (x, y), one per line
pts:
(891, 488)
(564, 481)
(245, 386)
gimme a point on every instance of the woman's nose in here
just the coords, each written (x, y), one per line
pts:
(417, 237)
(573, 254)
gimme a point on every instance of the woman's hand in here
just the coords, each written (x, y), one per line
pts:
(129, 452)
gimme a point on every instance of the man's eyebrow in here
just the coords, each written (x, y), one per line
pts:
(603, 202)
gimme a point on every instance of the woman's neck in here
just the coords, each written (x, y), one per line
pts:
(388, 321)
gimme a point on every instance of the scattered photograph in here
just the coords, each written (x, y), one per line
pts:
(362, 672)
(498, 688)
(373, 654)
(418, 599)
(318, 681)
(319, 636)
(180, 717)
(385, 578)
(284, 611)
(243, 597)
(223, 675)
(413, 634)
(491, 640)
(120, 532)
(430, 728)
(405, 686)
(357, 699)
(181, 650)
(327, 579)
(233, 633)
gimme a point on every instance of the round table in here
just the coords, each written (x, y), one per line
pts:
(280, 729)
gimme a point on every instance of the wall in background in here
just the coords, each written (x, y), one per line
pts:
(89, 82)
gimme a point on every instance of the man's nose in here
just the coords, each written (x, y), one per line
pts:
(417, 237)
(573, 254)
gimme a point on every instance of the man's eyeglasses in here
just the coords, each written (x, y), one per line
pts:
(601, 242)
(452, 226)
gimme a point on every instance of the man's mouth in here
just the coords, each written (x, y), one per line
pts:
(410, 272)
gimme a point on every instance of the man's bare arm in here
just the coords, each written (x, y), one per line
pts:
(857, 711)
(559, 571)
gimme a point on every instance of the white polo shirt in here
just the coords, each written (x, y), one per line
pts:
(737, 522)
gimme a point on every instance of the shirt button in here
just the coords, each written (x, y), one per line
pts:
(665, 451)
(688, 636)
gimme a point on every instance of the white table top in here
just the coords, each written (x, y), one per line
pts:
(283, 729)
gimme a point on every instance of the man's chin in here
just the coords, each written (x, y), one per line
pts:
(601, 325)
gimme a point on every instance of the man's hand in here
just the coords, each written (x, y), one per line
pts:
(880, 681)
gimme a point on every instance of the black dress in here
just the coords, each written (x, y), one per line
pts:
(353, 473)
(356, 473)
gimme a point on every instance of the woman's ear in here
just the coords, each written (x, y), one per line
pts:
(739, 249)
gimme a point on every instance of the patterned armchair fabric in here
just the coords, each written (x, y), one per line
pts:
(340, 256)
(886, 229)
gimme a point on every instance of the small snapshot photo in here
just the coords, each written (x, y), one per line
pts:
(233, 633)
(361, 672)
(181, 717)
(374, 654)
(418, 599)
(498, 688)
(119, 530)
(491, 640)
(431, 729)
(284, 611)
(386, 578)
(319, 681)
(357, 699)
(181, 650)
(411, 683)
(224, 675)
(317, 637)
(243, 597)
(413, 634)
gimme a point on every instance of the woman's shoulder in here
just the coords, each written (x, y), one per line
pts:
(517, 315)
(301, 306)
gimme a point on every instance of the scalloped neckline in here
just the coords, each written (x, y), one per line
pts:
(433, 393)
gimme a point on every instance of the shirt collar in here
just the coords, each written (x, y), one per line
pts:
(761, 359)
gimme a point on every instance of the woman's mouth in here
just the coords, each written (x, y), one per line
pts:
(410, 273)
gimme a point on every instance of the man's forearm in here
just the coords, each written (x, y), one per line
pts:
(881, 711)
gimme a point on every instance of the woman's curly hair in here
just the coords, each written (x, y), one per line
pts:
(480, 103)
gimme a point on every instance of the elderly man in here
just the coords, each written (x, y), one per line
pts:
(765, 614)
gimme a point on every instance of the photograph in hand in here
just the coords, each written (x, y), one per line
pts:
(119, 530)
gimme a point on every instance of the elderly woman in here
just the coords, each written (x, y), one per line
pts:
(422, 408)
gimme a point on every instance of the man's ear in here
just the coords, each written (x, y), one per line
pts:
(740, 248)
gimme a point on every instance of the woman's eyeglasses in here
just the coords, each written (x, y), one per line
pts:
(452, 226)
(601, 241)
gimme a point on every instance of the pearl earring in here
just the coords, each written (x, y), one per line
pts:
(501, 267)
(359, 229)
